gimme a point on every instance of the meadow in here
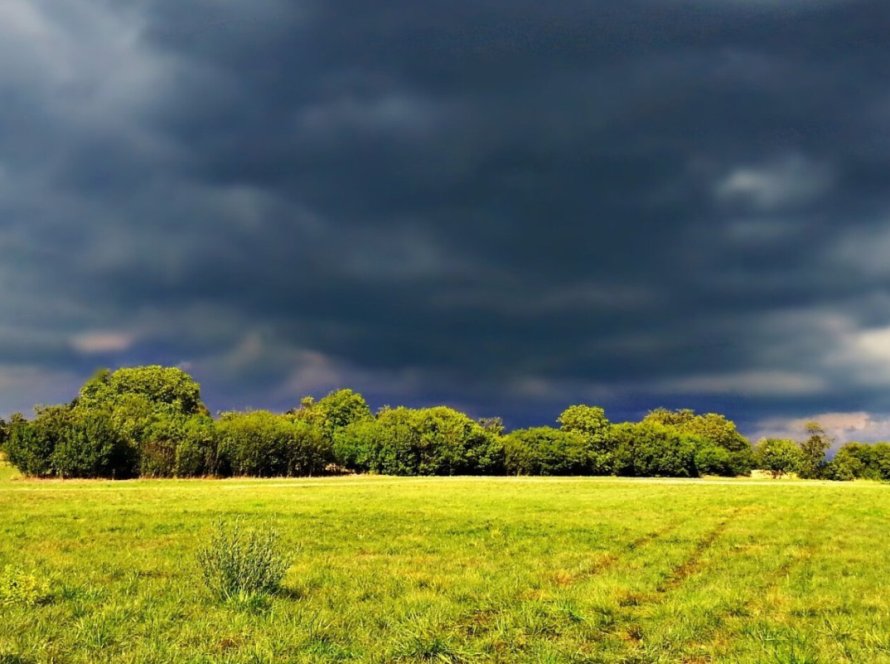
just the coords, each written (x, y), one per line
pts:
(455, 569)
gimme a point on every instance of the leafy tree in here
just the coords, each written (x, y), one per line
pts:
(778, 456)
(63, 442)
(90, 446)
(860, 461)
(4, 433)
(263, 444)
(423, 441)
(338, 409)
(31, 443)
(649, 449)
(813, 451)
(159, 441)
(714, 428)
(546, 451)
(396, 447)
(714, 460)
(591, 423)
(852, 461)
(309, 450)
(197, 454)
(357, 446)
(343, 407)
(150, 406)
(170, 386)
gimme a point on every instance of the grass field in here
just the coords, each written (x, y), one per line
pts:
(538, 570)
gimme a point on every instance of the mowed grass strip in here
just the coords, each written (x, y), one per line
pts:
(456, 569)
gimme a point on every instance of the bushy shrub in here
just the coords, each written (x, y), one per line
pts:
(60, 441)
(713, 460)
(333, 412)
(238, 561)
(356, 446)
(881, 460)
(90, 446)
(197, 454)
(450, 443)
(860, 461)
(648, 449)
(423, 441)
(778, 456)
(546, 451)
(742, 461)
(712, 427)
(31, 444)
(309, 450)
(263, 444)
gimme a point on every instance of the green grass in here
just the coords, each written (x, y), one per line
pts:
(473, 569)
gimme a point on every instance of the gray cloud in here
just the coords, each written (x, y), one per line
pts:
(502, 207)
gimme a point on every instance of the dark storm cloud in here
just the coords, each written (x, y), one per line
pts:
(504, 206)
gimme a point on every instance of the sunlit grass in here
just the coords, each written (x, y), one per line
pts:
(465, 569)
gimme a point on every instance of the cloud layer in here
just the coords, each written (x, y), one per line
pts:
(504, 207)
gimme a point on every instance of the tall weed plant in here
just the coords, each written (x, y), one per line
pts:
(239, 561)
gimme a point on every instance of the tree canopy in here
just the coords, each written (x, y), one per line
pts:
(150, 421)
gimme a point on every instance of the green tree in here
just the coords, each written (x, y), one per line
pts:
(32, 443)
(357, 446)
(591, 423)
(421, 441)
(64, 442)
(264, 444)
(778, 456)
(714, 428)
(869, 461)
(151, 407)
(160, 386)
(714, 460)
(197, 454)
(546, 451)
(338, 409)
(90, 446)
(650, 449)
(813, 451)
(853, 461)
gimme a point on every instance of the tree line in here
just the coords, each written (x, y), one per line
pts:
(151, 422)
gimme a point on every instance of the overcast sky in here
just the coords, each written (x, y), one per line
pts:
(503, 206)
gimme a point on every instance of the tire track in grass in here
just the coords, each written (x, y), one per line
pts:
(755, 594)
(807, 547)
(692, 563)
(480, 621)
(674, 578)
(608, 560)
